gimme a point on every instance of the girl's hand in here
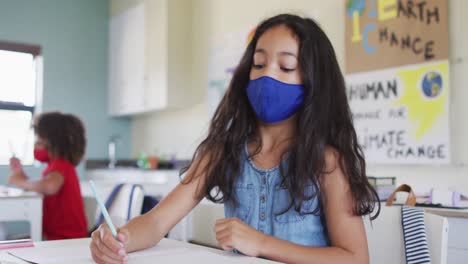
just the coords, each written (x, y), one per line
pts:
(15, 165)
(232, 233)
(17, 178)
(106, 249)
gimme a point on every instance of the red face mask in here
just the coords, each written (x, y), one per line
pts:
(41, 155)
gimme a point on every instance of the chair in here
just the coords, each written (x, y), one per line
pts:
(203, 218)
(385, 237)
(126, 203)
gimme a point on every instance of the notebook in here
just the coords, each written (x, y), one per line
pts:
(18, 243)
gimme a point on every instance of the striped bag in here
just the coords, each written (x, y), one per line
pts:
(414, 228)
(414, 235)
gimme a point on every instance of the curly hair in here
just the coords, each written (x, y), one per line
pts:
(64, 135)
(324, 120)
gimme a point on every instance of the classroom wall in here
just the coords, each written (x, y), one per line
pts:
(74, 40)
(180, 131)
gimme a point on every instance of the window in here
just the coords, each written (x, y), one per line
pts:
(19, 93)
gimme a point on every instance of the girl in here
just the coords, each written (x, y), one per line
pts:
(281, 154)
(60, 142)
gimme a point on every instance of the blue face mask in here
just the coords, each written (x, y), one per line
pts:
(274, 101)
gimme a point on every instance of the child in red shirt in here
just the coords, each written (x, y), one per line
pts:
(60, 142)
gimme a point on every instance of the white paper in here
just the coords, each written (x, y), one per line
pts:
(71, 253)
(77, 252)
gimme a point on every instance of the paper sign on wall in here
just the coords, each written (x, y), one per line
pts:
(397, 74)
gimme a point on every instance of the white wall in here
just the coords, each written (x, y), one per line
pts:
(180, 131)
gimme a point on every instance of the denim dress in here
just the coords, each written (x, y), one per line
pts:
(261, 198)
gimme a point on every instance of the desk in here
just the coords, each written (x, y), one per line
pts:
(458, 232)
(447, 212)
(17, 205)
(167, 251)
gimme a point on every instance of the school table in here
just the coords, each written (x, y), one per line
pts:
(18, 205)
(166, 251)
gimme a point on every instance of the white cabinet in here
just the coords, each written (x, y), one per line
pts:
(457, 243)
(126, 62)
(149, 55)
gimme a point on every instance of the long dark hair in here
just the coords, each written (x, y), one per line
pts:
(323, 121)
(64, 135)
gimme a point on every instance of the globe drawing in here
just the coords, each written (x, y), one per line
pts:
(432, 84)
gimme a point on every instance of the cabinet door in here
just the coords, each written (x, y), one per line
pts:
(127, 62)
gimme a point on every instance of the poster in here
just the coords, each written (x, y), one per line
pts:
(397, 79)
